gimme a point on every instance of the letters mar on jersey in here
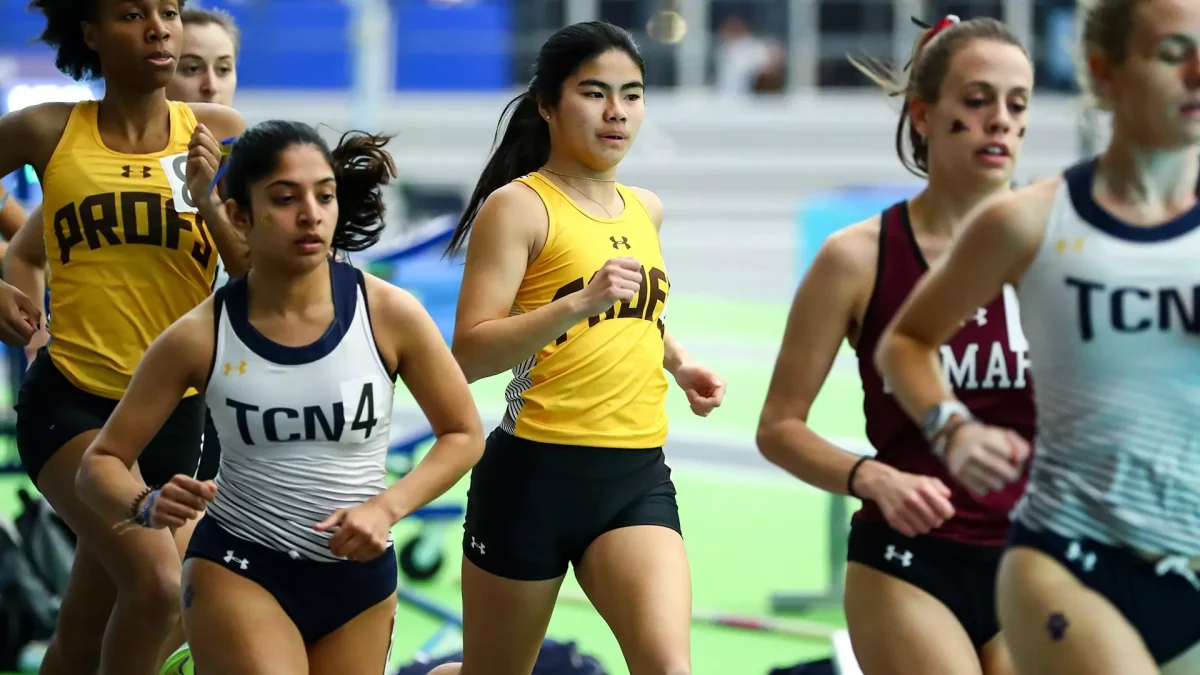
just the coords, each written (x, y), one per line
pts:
(985, 365)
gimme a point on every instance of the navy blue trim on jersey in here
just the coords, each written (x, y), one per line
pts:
(1080, 178)
(362, 285)
(344, 279)
(218, 306)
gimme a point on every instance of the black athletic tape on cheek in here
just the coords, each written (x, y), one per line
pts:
(1057, 625)
(1021, 134)
(959, 127)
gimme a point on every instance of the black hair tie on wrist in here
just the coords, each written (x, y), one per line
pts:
(853, 471)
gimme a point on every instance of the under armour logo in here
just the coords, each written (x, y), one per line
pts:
(243, 564)
(126, 171)
(980, 318)
(241, 368)
(904, 558)
(1086, 559)
(1075, 244)
(618, 243)
(478, 545)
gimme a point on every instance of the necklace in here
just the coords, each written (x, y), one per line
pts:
(567, 175)
(581, 192)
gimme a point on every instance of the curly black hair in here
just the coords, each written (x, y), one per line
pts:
(64, 33)
(360, 165)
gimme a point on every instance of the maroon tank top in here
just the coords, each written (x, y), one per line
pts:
(986, 363)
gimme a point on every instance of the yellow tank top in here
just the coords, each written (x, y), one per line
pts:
(128, 253)
(602, 383)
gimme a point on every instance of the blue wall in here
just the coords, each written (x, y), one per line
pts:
(824, 213)
(304, 44)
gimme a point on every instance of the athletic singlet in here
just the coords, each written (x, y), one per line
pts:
(601, 383)
(304, 430)
(986, 364)
(1112, 313)
(128, 253)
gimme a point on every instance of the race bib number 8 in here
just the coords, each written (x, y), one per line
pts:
(175, 167)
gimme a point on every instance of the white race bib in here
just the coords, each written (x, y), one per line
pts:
(175, 166)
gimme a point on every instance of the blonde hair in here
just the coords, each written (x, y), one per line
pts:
(1105, 27)
(922, 78)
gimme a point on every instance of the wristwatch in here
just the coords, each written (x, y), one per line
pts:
(937, 417)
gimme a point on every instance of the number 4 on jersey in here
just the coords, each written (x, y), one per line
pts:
(364, 413)
(359, 398)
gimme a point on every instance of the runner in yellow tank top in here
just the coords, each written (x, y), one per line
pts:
(565, 285)
(622, 403)
(127, 253)
(132, 235)
(207, 73)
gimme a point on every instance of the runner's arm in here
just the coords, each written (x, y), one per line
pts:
(224, 123)
(25, 268)
(177, 360)
(994, 249)
(12, 216)
(487, 340)
(424, 363)
(823, 312)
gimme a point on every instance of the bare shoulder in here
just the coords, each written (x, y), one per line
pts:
(399, 321)
(36, 130)
(653, 204)
(196, 327)
(852, 253)
(189, 341)
(390, 304)
(47, 121)
(513, 209)
(223, 121)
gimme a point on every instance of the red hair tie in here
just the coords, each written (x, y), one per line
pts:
(940, 26)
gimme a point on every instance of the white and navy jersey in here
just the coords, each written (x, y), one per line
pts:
(304, 430)
(1112, 315)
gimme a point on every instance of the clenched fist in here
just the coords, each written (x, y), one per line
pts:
(618, 280)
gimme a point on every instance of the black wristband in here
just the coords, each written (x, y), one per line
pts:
(850, 478)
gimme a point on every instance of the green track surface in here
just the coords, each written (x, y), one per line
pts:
(746, 536)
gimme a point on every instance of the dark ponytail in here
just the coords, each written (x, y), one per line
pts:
(362, 167)
(524, 145)
(523, 148)
(360, 164)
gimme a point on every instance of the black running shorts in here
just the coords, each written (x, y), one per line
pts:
(533, 508)
(961, 576)
(51, 411)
